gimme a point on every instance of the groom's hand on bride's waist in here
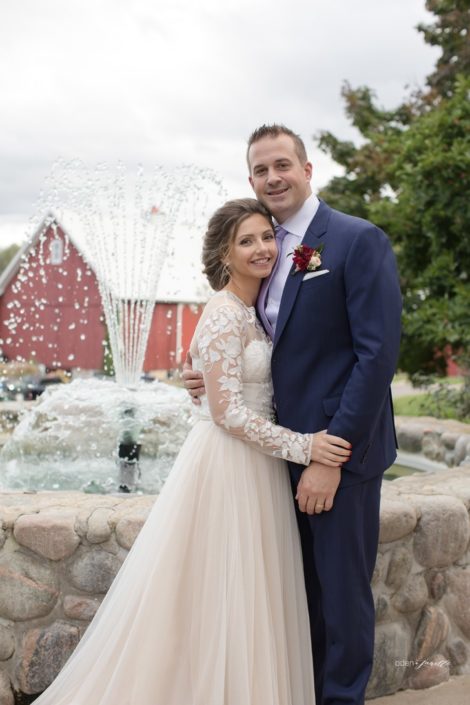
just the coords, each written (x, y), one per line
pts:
(317, 488)
(192, 380)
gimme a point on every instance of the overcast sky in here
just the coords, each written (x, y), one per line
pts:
(186, 81)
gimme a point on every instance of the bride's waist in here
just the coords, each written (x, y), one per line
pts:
(253, 397)
(262, 391)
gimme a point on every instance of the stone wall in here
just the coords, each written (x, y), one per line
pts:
(443, 441)
(421, 582)
(59, 553)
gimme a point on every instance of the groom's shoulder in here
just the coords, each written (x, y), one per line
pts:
(351, 226)
(351, 222)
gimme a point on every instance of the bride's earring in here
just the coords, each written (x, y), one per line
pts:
(226, 270)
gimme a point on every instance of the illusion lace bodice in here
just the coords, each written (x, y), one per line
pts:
(233, 353)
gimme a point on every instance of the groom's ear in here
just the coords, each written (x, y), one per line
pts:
(251, 182)
(308, 170)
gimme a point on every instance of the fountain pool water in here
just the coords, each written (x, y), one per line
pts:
(70, 439)
(96, 477)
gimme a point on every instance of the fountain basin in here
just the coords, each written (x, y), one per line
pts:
(70, 438)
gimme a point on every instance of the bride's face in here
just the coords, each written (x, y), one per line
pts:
(253, 251)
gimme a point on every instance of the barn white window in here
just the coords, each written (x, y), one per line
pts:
(56, 251)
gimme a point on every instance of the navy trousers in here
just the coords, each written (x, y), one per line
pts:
(339, 550)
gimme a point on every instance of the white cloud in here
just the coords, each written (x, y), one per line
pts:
(184, 81)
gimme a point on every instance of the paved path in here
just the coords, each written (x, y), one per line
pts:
(455, 692)
(403, 388)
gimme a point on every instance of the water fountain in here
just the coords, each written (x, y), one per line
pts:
(126, 223)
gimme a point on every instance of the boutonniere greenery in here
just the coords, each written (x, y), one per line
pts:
(306, 259)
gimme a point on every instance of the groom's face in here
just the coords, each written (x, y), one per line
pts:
(278, 177)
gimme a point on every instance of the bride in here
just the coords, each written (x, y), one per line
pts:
(209, 607)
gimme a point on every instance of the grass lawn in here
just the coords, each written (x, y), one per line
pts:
(398, 471)
(450, 380)
(424, 405)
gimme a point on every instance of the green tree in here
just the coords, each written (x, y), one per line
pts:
(410, 175)
(428, 220)
(6, 255)
(366, 168)
(450, 33)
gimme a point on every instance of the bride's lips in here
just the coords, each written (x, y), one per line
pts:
(261, 261)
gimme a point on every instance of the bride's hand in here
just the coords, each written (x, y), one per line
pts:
(330, 450)
(192, 380)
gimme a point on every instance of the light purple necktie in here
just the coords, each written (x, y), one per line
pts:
(262, 296)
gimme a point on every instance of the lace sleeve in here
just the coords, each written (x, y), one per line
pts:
(220, 341)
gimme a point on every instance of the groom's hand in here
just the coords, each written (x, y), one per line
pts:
(317, 488)
(192, 380)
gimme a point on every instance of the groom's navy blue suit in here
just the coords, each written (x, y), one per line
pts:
(334, 356)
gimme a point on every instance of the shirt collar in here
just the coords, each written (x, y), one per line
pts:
(298, 223)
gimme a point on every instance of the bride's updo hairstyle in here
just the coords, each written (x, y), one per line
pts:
(220, 234)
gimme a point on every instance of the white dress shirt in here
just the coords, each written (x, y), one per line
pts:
(296, 227)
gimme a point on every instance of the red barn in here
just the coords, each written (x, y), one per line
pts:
(51, 312)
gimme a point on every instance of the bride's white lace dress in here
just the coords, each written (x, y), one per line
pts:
(209, 606)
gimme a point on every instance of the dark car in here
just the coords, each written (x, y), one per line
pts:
(33, 387)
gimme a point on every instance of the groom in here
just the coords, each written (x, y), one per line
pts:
(336, 328)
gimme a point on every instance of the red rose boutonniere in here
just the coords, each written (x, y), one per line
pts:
(306, 259)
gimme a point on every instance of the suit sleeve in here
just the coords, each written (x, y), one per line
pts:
(374, 303)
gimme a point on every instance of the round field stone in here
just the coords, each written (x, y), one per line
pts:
(399, 567)
(79, 607)
(397, 519)
(429, 672)
(443, 531)
(98, 528)
(457, 598)
(412, 596)
(128, 528)
(7, 642)
(94, 570)
(50, 534)
(410, 438)
(433, 630)
(28, 587)
(6, 692)
(45, 651)
(391, 651)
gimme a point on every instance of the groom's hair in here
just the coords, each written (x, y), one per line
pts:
(275, 130)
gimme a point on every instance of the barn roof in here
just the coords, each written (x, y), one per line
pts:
(15, 263)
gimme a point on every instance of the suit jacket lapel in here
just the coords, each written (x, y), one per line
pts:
(312, 238)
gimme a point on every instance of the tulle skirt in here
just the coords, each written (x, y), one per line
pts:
(209, 607)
